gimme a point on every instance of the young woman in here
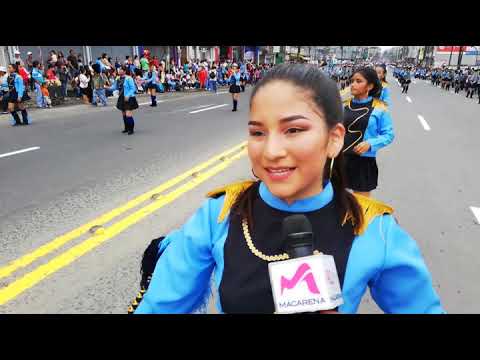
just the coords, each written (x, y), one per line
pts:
(16, 96)
(234, 81)
(294, 145)
(126, 102)
(382, 76)
(151, 84)
(369, 128)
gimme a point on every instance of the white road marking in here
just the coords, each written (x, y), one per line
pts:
(414, 81)
(149, 102)
(423, 122)
(209, 108)
(476, 213)
(19, 151)
(408, 99)
(222, 92)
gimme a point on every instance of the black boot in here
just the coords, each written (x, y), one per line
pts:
(235, 102)
(16, 118)
(25, 117)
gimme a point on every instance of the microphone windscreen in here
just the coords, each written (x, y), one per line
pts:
(297, 223)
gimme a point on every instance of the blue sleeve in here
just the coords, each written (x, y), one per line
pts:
(114, 86)
(385, 97)
(181, 280)
(129, 87)
(384, 130)
(19, 86)
(404, 285)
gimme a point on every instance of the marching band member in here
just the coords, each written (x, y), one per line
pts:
(295, 149)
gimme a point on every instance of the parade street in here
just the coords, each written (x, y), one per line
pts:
(73, 165)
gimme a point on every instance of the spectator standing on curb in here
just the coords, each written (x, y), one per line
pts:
(144, 64)
(38, 80)
(100, 82)
(202, 77)
(64, 77)
(213, 78)
(29, 65)
(4, 89)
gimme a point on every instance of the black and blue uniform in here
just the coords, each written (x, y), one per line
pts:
(16, 95)
(385, 94)
(126, 88)
(380, 256)
(365, 120)
(152, 82)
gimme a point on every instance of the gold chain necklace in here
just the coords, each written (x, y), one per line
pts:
(258, 253)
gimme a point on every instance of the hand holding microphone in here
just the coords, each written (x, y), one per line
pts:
(307, 282)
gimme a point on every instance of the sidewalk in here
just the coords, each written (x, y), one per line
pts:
(71, 102)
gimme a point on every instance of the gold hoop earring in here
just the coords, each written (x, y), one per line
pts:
(331, 167)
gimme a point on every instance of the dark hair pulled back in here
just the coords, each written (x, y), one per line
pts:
(372, 78)
(324, 93)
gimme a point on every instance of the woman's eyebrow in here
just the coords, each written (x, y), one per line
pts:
(292, 118)
(283, 120)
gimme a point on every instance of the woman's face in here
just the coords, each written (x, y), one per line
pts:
(380, 73)
(10, 69)
(289, 141)
(359, 85)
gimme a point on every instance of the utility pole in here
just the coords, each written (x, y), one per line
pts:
(460, 55)
(450, 59)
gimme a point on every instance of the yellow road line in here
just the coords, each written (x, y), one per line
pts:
(45, 249)
(32, 278)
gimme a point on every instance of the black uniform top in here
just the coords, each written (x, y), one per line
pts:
(355, 120)
(245, 285)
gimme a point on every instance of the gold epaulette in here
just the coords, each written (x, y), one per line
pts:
(347, 100)
(384, 84)
(379, 104)
(371, 208)
(231, 191)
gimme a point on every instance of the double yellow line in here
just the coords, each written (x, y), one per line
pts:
(198, 174)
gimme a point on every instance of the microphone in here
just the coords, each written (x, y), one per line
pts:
(307, 282)
(297, 235)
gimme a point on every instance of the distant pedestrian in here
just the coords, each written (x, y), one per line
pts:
(126, 102)
(234, 82)
(16, 96)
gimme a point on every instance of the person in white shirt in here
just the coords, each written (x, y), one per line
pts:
(18, 58)
(83, 81)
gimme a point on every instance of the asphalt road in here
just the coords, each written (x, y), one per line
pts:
(85, 167)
